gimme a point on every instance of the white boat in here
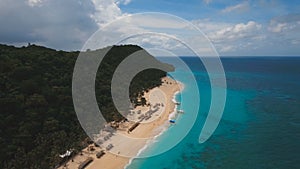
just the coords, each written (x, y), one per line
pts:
(180, 111)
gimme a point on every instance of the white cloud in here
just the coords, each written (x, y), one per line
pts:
(33, 3)
(295, 42)
(259, 37)
(106, 11)
(50, 23)
(156, 20)
(156, 41)
(46, 22)
(277, 27)
(230, 38)
(153, 30)
(208, 26)
(279, 36)
(59, 24)
(287, 23)
(207, 1)
(124, 2)
(228, 48)
(236, 32)
(244, 6)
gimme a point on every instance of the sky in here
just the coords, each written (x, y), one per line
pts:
(235, 28)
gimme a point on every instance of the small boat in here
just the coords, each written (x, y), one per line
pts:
(172, 121)
(177, 103)
(180, 111)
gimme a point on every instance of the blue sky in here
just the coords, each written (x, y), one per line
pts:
(201, 9)
(235, 28)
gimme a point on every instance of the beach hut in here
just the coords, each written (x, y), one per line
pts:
(85, 163)
(133, 127)
(91, 148)
(99, 142)
(156, 109)
(110, 146)
(100, 154)
(141, 117)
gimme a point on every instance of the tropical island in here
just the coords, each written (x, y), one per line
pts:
(38, 121)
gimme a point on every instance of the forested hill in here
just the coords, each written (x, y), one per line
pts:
(37, 118)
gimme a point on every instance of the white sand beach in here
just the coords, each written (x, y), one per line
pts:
(126, 145)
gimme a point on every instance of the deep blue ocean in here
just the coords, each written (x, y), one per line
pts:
(260, 127)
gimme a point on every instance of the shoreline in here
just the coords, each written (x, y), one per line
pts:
(165, 128)
(127, 148)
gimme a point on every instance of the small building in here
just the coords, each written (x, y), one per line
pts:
(110, 146)
(98, 142)
(100, 154)
(85, 163)
(133, 127)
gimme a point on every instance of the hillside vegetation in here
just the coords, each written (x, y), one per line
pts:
(37, 118)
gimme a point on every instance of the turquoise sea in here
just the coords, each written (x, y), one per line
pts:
(260, 127)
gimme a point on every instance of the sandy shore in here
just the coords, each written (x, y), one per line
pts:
(127, 145)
